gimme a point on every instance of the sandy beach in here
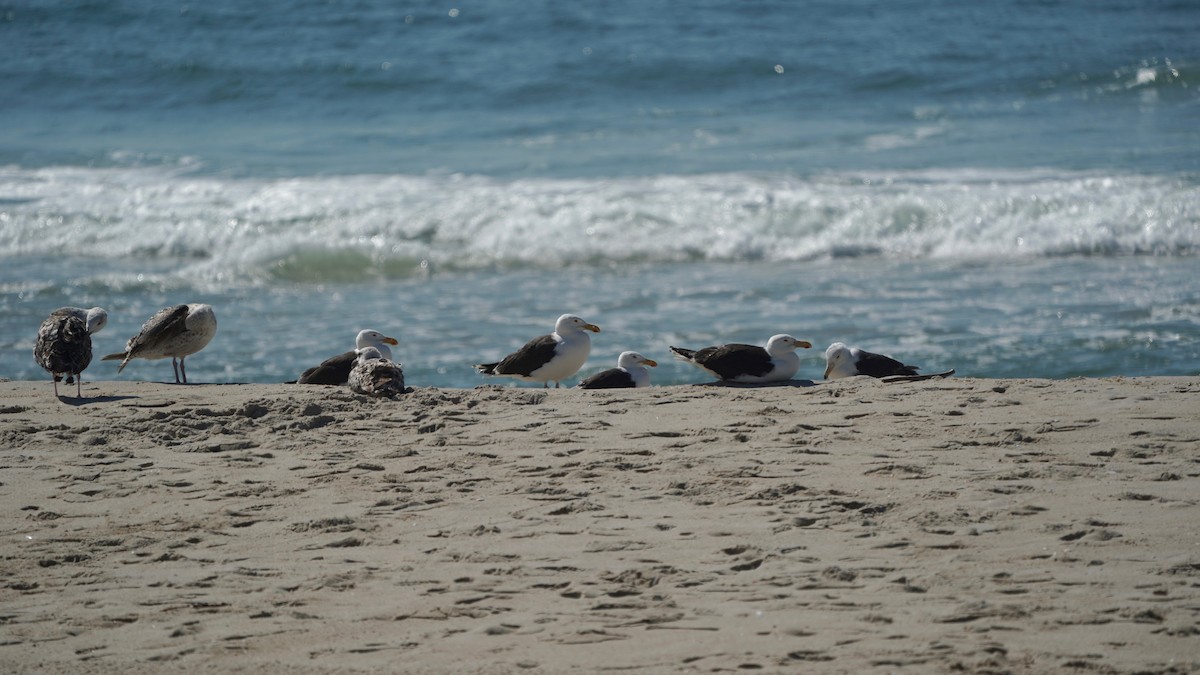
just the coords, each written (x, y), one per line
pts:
(957, 525)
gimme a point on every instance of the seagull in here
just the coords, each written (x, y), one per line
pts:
(842, 361)
(374, 375)
(748, 363)
(177, 332)
(552, 357)
(630, 372)
(336, 369)
(64, 343)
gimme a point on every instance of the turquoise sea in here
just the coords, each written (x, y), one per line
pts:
(1009, 189)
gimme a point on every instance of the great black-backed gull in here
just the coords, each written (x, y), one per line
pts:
(176, 332)
(336, 369)
(748, 363)
(630, 372)
(64, 343)
(374, 375)
(549, 358)
(842, 361)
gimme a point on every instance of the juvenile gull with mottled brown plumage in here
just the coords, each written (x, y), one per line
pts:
(64, 343)
(374, 375)
(336, 369)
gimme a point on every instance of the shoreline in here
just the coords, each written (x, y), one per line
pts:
(1006, 525)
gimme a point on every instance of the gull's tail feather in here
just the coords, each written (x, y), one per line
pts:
(122, 357)
(685, 354)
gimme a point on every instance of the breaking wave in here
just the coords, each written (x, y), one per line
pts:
(355, 228)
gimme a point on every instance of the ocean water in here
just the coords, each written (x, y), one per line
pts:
(1010, 189)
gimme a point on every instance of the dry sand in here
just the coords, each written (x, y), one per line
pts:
(958, 525)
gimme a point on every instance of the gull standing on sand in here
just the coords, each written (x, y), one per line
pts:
(64, 343)
(748, 363)
(842, 361)
(549, 358)
(336, 369)
(374, 375)
(630, 372)
(176, 332)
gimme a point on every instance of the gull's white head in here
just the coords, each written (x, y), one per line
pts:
(96, 320)
(781, 344)
(839, 362)
(635, 364)
(373, 338)
(569, 323)
(634, 359)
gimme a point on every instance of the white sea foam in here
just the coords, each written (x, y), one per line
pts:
(349, 228)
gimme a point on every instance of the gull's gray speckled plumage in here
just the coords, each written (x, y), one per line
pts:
(173, 332)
